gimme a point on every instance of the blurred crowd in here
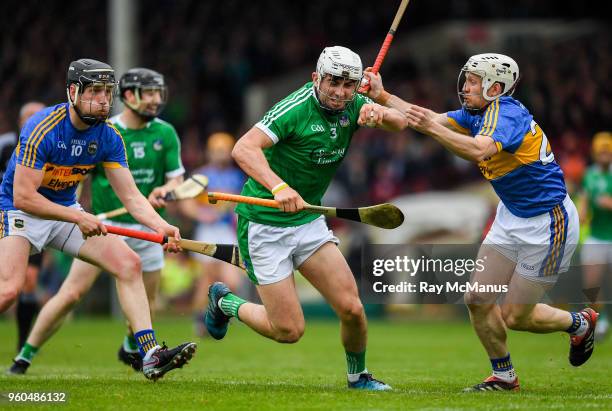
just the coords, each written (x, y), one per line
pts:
(211, 52)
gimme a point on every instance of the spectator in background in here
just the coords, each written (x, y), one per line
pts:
(215, 224)
(596, 203)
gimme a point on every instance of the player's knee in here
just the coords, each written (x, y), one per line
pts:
(131, 267)
(514, 320)
(8, 295)
(351, 311)
(475, 300)
(289, 334)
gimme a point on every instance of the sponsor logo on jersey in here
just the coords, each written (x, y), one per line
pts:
(157, 145)
(62, 177)
(344, 121)
(92, 148)
(78, 141)
(323, 155)
(317, 128)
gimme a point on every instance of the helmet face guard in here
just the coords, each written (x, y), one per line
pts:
(98, 78)
(142, 81)
(341, 64)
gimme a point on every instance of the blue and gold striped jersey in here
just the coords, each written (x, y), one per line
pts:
(523, 173)
(49, 142)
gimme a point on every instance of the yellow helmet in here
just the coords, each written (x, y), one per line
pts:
(223, 141)
(602, 142)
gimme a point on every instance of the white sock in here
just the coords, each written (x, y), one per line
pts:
(583, 328)
(151, 352)
(355, 377)
(507, 376)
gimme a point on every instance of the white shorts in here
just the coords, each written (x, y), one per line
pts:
(272, 253)
(221, 233)
(151, 254)
(596, 252)
(541, 246)
(42, 233)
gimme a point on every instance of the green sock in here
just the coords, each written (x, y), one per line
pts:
(230, 304)
(27, 352)
(129, 343)
(355, 362)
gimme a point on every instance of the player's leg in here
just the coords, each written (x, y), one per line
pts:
(114, 256)
(214, 271)
(128, 352)
(279, 317)
(27, 303)
(595, 255)
(487, 320)
(266, 251)
(79, 280)
(152, 260)
(327, 270)
(14, 253)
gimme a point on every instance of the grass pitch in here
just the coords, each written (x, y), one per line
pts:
(427, 364)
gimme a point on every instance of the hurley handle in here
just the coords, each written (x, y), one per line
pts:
(153, 237)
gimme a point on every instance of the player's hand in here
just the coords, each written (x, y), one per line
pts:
(289, 200)
(371, 115)
(90, 225)
(374, 81)
(173, 235)
(420, 118)
(156, 198)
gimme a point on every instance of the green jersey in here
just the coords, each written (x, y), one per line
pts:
(597, 183)
(309, 145)
(153, 156)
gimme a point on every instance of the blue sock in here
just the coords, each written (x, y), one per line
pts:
(503, 369)
(145, 340)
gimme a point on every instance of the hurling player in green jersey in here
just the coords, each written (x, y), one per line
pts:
(596, 201)
(153, 151)
(291, 155)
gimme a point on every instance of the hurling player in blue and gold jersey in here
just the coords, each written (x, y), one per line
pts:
(535, 231)
(57, 148)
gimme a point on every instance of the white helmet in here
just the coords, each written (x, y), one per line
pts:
(339, 62)
(492, 68)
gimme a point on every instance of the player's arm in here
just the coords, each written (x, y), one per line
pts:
(174, 171)
(248, 154)
(156, 198)
(27, 198)
(137, 205)
(375, 115)
(378, 93)
(473, 149)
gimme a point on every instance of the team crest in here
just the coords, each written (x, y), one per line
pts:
(18, 223)
(344, 121)
(157, 145)
(92, 148)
